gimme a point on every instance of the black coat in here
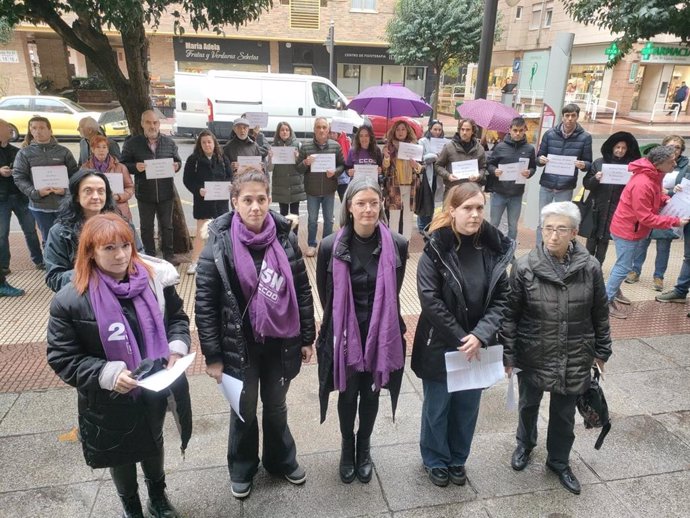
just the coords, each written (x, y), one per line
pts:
(287, 182)
(554, 327)
(324, 285)
(443, 319)
(224, 334)
(136, 149)
(116, 431)
(199, 169)
(508, 152)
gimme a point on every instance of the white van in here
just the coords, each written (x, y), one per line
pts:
(191, 108)
(296, 99)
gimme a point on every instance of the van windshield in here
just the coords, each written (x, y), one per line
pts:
(324, 96)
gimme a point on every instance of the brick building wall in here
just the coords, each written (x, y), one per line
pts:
(17, 78)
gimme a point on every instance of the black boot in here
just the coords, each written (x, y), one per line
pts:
(364, 465)
(158, 505)
(131, 507)
(347, 459)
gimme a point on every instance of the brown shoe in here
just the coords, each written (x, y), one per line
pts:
(622, 298)
(632, 278)
(311, 251)
(658, 284)
(615, 311)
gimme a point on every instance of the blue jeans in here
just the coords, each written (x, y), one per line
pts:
(20, 206)
(499, 203)
(448, 422)
(422, 222)
(313, 203)
(44, 220)
(663, 251)
(683, 282)
(626, 251)
(547, 196)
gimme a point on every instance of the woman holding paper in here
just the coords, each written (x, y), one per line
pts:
(101, 160)
(400, 178)
(556, 328)
(359, 274)
(463, 147)
(425, 197)
(365, 152)
(255, 316)
(114, 315)
(287, 183)
(207, 163)
(463, 290)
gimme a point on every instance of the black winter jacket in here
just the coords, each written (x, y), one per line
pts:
(554, 327)
(324, 285)
(509, 152)
(199, 169)
(136, 149)
(116, 431)
(224, 328)
(287, 182)
(7, 185)
(578, 144)
(236, 148)
(443, 320)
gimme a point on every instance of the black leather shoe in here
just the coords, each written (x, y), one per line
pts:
(131, 507)
(457, 475)
(158, 505)
(439, 476)
(364, 464)
(567, 479)
(520, 458)
(347, 460)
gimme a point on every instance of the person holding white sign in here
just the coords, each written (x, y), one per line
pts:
(425, 197)
(463, 146)
(241, 144)
(400, 178)
(364, 152)
(287, 183)
(114, 319)
(207, 163)
(463, 290)
(513, 152)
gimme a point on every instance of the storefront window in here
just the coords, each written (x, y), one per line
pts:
(586, 79)
(302, 70)
(351, 71)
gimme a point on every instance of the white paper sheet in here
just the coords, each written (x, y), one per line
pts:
(217, 191)
(670, 179)
(232, 390)
(116, 181)
(253, 161)
(511, 172)
(437, 144)
(370, 171)
(341, 125)
(615, 174)
(164, 378)
(257, 119)
(50, 176)
(159, 168)
(482, 373)
(561, 165)
(679, 205)
(283, 155)
(465, 169)
(323, 162)
(408, 151)
(511, 396)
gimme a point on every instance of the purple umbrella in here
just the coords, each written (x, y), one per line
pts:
(488, 114)
(389, 101)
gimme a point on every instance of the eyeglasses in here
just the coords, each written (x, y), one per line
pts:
(561, 231)
(362, 205)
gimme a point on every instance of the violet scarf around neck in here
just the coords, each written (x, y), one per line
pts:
(383, 349)
(101, 166)
(119, 342)
(271, 296)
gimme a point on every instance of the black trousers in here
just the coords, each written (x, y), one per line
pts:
(358, 387)
(560, 435)
(264, 377)
(293, 208)
(598, 247)
(163, 211)
(125, 477)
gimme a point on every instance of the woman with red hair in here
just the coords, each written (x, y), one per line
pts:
(101, 160)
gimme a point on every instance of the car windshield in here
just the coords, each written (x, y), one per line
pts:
(76, 107)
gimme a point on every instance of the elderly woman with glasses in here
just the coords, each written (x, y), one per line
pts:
(555, 329)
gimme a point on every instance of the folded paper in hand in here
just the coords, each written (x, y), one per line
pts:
(464, 375)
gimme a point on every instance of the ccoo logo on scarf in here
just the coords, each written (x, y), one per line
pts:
(270, 282)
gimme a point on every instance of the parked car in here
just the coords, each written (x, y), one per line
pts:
(381, 128)
(63, 114)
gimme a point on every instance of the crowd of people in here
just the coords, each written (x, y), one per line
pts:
(116, 315)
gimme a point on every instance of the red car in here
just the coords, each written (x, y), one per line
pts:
(380, 128)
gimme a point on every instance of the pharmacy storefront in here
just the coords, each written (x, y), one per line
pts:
(661, 71)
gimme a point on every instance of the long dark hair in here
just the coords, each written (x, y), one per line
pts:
(71, 213)
(217, 151)
(373, 149)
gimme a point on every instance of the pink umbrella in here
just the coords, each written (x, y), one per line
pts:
(488, 114)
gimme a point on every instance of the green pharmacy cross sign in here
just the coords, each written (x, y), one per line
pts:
(669, 52)
(647, 51)
(612, 51)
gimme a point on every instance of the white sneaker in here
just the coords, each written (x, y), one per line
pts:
(191, 269)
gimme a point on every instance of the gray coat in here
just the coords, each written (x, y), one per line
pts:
(554, 328)
(454, 152)
(35, 155)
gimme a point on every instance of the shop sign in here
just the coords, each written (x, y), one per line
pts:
(363, 55)
(9, 56)
(221, 50)
(655, 53)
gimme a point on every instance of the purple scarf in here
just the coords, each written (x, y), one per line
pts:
(271, 297)
(101, 166)
(119, 342)
(383, 350)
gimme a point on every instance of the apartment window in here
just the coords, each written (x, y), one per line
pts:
(518, 13)
(363, 5)
(536, 17)
(547, 17)
(304, 14)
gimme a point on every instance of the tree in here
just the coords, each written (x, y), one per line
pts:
(130, 18)
(435, 31)
(633, 19)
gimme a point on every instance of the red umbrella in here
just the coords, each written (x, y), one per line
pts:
(488, 114)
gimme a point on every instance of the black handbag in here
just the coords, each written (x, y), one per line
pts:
(594, 409)
(587, 213)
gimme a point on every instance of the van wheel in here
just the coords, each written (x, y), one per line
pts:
(14, 133)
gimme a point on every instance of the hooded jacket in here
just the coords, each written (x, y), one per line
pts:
(577, 144)
(454, 152)
(443, 321)
(642, 198)
(555, 327)
(605, 197)
(34, 155)
(508, 152)
(136, 149)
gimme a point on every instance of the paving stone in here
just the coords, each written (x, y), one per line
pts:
(493, 415)
(677, 423)
(618, 398)
(475, 509)
(408, 418)
(39, 460)
(206, 396)
(674, 347)
(323, 494)
(6, 402)
(656, 392)
(41, 411)
(73, 501)
(207, 448)
(658, 495)
(636, 446)
(634, 356)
